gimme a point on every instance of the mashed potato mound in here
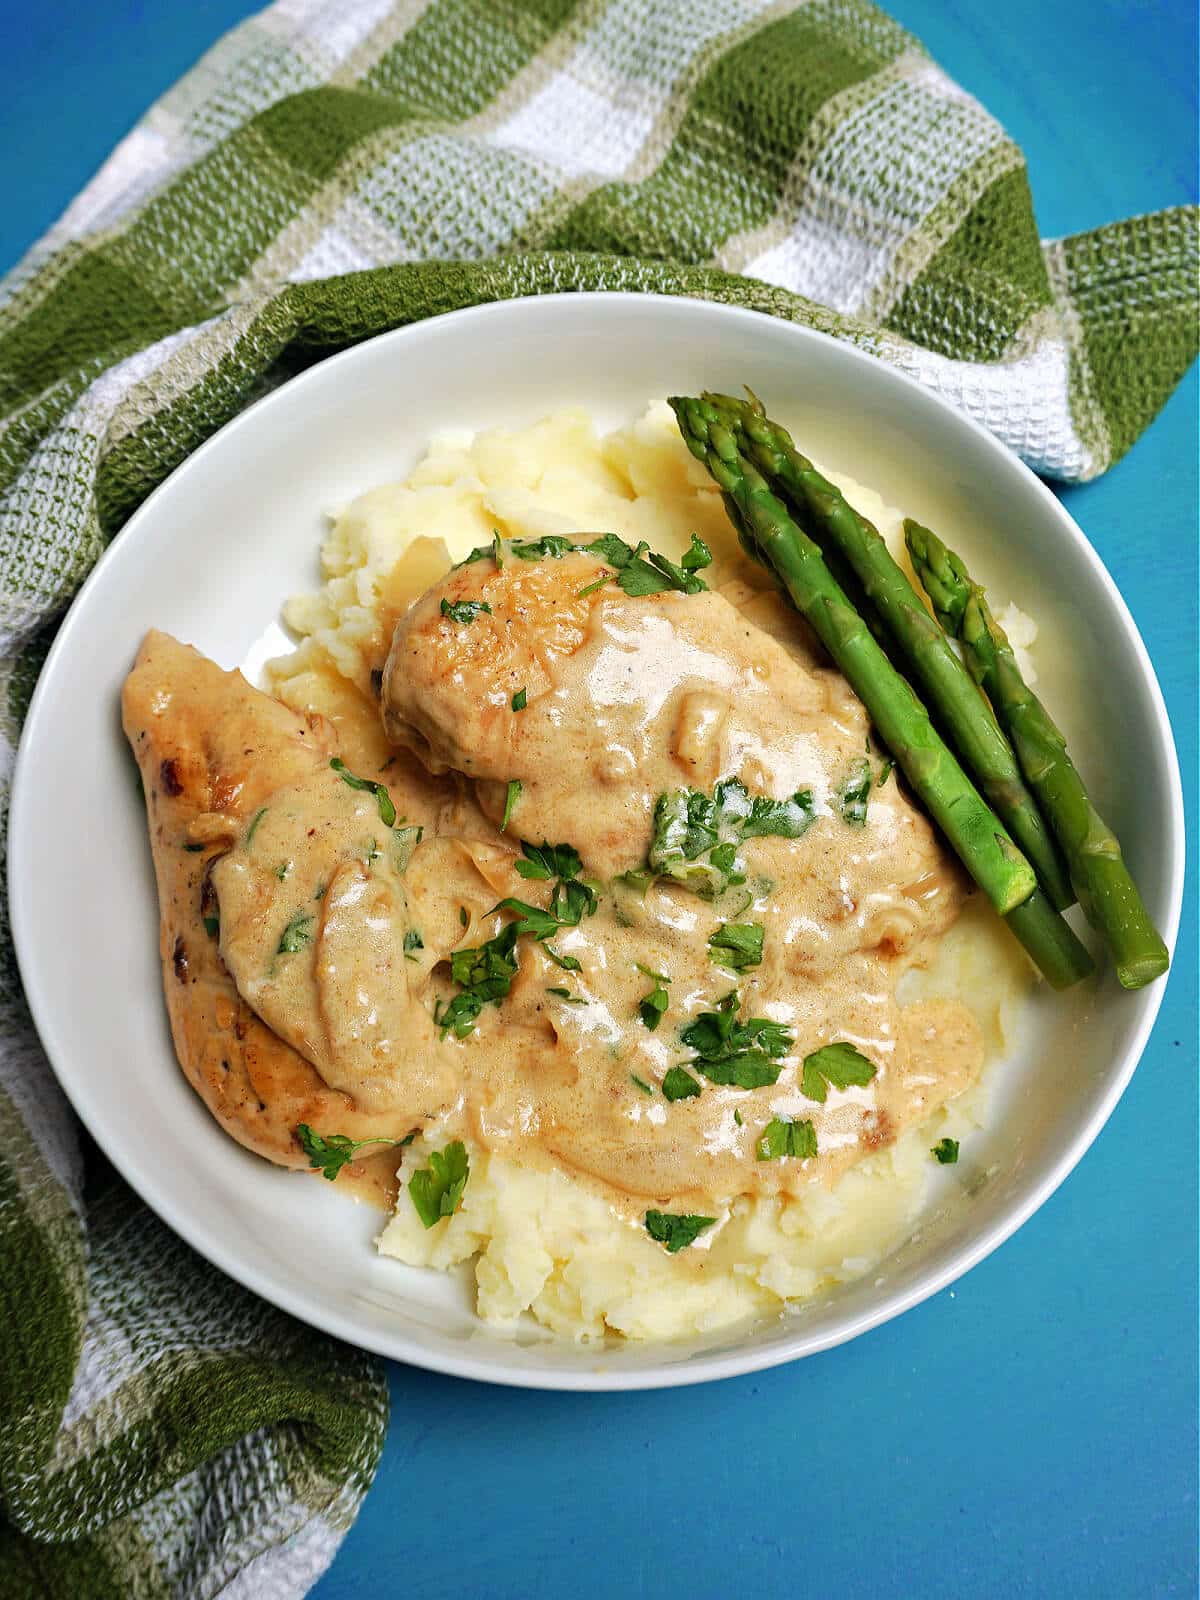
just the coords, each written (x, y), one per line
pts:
(542, 1241)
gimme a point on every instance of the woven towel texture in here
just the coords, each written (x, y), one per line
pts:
(332, 169)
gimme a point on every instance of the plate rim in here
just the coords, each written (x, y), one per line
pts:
(325, 1316)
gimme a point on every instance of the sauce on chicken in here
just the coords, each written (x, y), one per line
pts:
(545, 1003)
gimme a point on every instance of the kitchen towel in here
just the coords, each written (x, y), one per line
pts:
(331, 169)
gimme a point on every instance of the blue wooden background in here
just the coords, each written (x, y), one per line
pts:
(1031, 1431)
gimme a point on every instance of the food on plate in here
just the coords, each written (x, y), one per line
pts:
(974, 830)
(1100, 877)
(564, 898)
(923, 648)
(212, 753)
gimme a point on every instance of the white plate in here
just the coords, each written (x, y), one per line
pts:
(211, 555)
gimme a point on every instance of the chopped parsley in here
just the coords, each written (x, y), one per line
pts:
(484, 974)
(497, 550)
(253, 828)
(945, 1152)
(464, 610)
(548, 860)
(737, 945)
(297, 935)
(282, 870)
(591, 588)
(387, 811)
(854, 792)
(652, 1005)
(437, 1189)
(837, 1066)
(520, 700)
(680, 1085)
(783, 1137)
(212, 926)
(553, 544)
(696, 835)
(567, 996)
(674, 1230)
(329, 1152)
(742, 1055)
(641, 571)
(641, 1083)
(885, 773)
(412, 941)
(568, 905)
(567, 963)
(512, 794)
(737, 1117)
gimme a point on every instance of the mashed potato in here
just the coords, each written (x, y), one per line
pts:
(542, 1241)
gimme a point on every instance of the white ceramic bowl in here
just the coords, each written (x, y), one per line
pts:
(210, 556)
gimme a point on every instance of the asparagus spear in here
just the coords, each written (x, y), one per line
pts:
(950, 691)
(766, 529)
(1106, 891)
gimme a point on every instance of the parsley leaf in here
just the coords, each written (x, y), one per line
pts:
(511, 796)
(674, 1230)
(567, 963)
(464, 610)
(784, 819)
(530, 919)
(297, 935)
(641, 1083)
(742, 1055)
(885, 773)
(836, 1065)
(945, 1151)
(553, 544)
(488, 968)
(641, 571)
(459, 1015)
(387, 811)
(565, 994)
(485, 973)
(212, 926)
(783, 1137)
(737, 945)
(549, 860)
(437, 1189)
(412, 941)
(652, 1005)
(329, 1152)
(520, 700)
(854, 793)
(680, 1085)
(481, 552)
(253, 828)
(696, 835)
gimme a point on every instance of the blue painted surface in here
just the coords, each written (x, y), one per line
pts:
(1032, 1431)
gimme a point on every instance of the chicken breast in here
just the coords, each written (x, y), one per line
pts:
(211, 751)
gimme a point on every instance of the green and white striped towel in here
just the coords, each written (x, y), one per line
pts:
(331, 169)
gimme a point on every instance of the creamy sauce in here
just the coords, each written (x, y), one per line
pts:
(627, 698)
